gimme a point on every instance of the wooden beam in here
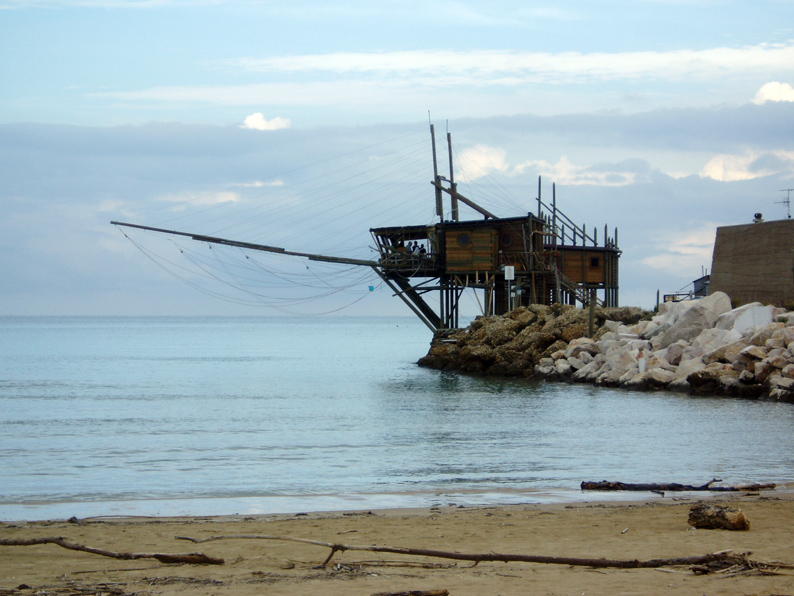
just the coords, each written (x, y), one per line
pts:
(252, 246)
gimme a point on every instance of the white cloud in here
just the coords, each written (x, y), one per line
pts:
(753, 164)
(260, 184)
(680, 253)
(565, 172)
(464, 83)
(182, 201)
(257, 121)
(480, 161)
(511, 67)
(774, 91)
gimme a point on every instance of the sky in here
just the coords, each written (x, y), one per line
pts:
(304, 124)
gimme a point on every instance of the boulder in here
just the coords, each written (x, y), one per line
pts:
(760, 337)
(786, 334)
(659, 377)
(580, 345)
(756, 352)
(710, 340)
(688, 367)
(727, 353)
(562, 368)
(781, 389)
(673, 353)
(746, 319)
(583, 374)
(702, 314)
(679, 385)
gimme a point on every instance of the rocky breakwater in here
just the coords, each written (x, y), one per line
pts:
(699, 346)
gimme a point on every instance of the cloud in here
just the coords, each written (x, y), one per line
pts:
(459, 84)
(774, 91)
(681, 253)
(479, 161)
(258, 121)
(499, 67)
(483, 160)
(567, 173)
(191, 199)
(753, 164)
(260, 184)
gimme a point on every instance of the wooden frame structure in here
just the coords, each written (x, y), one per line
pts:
(533, 259)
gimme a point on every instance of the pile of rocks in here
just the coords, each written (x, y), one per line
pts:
(702, 346)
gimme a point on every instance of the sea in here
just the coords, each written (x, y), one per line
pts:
(163, 416)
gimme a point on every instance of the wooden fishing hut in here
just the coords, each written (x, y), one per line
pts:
(534, 259)
(541, 258)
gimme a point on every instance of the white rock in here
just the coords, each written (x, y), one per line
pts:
(562, 368)
(756, 352)
(585, 372)
(660, 376)
(687, 367)
(786, 335)
(630, 374)
(581, 345)
(710, 340)
(652, 329)
(702, 314)
(746, 319)
(786, 317)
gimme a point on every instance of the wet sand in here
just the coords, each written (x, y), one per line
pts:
(615, 530)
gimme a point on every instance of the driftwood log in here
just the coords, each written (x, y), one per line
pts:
(192, 558)
(415, 593)
(725, 556)
(672, 486)
(717, 517)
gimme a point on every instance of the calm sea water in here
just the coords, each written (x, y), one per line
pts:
(169, 416)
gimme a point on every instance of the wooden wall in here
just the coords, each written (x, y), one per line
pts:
(473, 249)
(584, 266)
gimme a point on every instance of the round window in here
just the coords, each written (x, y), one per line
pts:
(507, 239)
(464, 239)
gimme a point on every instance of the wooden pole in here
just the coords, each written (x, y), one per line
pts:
(437, 182)
(452, 185)
(591, 314)
(554, 211)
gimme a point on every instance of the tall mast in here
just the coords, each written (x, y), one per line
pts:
(436, 178)
(453, 187)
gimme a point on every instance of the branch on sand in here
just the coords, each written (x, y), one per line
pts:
(672, 486)
(725, 557)
(192, 558)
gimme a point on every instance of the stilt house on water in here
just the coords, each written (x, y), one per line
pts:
(543, 258)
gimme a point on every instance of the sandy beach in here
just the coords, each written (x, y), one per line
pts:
(624, 530)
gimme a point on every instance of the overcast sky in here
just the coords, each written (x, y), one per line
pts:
(302, 124)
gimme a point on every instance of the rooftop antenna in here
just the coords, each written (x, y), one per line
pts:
(787, 202)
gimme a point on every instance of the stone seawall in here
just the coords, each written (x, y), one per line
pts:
(699, 346)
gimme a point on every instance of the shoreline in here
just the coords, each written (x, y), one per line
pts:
(633, 529)
(333, 503)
